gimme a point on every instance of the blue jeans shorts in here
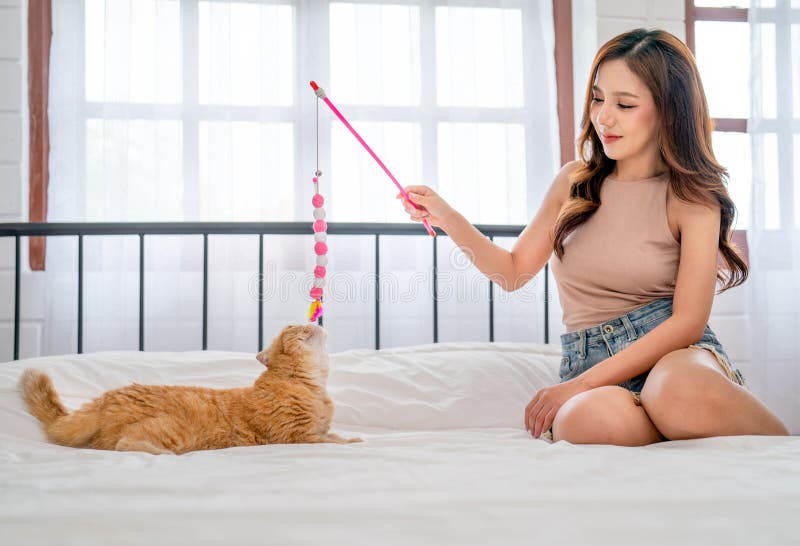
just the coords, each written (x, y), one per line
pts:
(583, 349)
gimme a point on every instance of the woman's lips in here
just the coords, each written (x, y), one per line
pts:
(608, 139)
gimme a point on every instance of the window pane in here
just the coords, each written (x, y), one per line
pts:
(769, 94)
(374, 53)
(133, 51)
(133, 170)
(796, 68)
(732, 151)
(482, 171)
(469, 42)
(246, 53)
(246, 171)
(723, 53)
(771, 189)
(360, 190)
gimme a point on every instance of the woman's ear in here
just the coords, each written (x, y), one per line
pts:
(263, 357)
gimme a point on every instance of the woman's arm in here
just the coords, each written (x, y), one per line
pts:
(691, 307)
(511, 270)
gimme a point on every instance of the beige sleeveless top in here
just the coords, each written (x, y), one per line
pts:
(621, 258)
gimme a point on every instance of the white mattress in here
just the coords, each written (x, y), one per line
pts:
(445, 461)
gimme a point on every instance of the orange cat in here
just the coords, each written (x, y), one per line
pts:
(287, 404)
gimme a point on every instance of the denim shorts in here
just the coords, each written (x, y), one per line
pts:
(583, 349)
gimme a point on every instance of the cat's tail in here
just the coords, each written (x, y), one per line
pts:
(74, 429)
(41, 397)
(68, 429)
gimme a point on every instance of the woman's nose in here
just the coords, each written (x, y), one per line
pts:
(604, 117)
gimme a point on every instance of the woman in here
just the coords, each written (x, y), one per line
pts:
(636, 225)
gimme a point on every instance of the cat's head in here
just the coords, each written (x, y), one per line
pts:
(298, 346)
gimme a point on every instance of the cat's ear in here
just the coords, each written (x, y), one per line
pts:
(263, 357)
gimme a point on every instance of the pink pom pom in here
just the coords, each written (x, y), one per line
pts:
(315, 179)
(320, 248)
(316, 293)
(320, 225)
(319, 271)
(317, 200)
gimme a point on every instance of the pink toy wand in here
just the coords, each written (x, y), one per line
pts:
(321, 94)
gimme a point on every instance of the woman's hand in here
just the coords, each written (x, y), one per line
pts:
(431, 207)
(541, 411)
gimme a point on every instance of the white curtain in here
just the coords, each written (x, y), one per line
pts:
(774, 284)
(195, 110)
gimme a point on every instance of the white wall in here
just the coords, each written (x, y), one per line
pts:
(594, 22)
(14, 176)
(13, 110)
(616, 16)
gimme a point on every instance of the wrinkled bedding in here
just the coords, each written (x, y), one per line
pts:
(445, 460)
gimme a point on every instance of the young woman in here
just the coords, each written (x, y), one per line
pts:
(636, 225)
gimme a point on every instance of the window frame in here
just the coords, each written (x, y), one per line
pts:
(40, 29)
(730, 15)
(693, 14)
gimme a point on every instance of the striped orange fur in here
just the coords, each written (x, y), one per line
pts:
(287, 404)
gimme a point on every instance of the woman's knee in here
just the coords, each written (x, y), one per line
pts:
(605, 415)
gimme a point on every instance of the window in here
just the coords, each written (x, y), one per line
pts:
(201, 110)
(186, 110)
(724, 37)
(719, 35)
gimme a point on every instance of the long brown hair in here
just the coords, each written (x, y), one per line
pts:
(667, 68)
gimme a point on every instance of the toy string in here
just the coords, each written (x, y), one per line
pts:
(320, 236)
(321, 94)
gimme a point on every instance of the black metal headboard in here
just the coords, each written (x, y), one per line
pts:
(205, 229)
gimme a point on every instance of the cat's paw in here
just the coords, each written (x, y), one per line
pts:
(128, 444)
(336, 439)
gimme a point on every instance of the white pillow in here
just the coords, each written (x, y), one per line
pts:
(440, 386)
(424, 387)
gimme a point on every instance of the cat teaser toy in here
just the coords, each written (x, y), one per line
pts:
(320, 226)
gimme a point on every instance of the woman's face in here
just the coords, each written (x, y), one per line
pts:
(623, 112)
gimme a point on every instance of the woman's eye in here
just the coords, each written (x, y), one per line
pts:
(625, 106)
(595, 99)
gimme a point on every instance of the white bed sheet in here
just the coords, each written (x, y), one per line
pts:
(445, 461)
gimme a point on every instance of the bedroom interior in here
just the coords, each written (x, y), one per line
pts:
(155, 227)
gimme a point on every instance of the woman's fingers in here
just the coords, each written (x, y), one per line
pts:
(416, 213)
(411, 205)
(541, 420)
(551, 417)
(529, 413)
(544, 424)
(422, 204)
(417, 195)
(412, 208)
(536, 412)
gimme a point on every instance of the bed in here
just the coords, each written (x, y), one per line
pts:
(445, 460)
